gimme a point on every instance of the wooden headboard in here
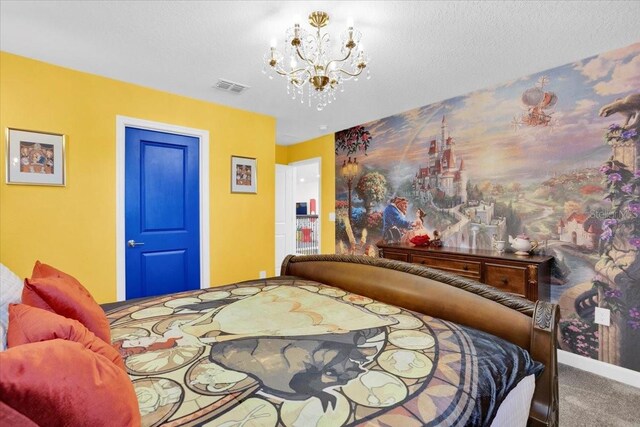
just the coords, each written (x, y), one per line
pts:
(450, 297)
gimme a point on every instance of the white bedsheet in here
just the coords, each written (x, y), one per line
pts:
(514, 410)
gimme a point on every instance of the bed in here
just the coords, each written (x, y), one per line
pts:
(341, 340)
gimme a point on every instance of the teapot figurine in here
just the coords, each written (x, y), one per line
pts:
(522, 244)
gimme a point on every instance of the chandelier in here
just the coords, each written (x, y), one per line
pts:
(306, 62)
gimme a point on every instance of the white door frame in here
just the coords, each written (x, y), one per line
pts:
(311, 161)
(290, 213)
(123, 122)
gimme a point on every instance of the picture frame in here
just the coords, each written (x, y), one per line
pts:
(244, 175)
(35, 157)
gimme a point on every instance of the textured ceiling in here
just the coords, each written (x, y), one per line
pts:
(421, 52)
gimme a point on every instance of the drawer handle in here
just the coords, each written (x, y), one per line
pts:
(466, 267)
(505, 280)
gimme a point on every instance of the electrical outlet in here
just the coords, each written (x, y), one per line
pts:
(602, 316)
(263, 274)
(332, 216)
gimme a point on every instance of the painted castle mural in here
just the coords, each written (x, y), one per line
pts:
(554, 155)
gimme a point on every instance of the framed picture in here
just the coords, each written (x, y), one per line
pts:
(244, 175)
(35, 158)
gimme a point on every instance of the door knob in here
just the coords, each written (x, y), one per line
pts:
(132, 243)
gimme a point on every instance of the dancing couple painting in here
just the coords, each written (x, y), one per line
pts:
(395, 225)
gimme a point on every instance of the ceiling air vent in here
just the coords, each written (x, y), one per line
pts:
(229, 86)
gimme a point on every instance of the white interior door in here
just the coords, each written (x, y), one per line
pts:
(285, 214)
(307, 186)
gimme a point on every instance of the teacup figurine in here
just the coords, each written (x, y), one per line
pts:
(499, 245)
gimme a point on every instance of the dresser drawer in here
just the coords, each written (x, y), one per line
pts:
(463, 268)
(398, 256)
(506, 278)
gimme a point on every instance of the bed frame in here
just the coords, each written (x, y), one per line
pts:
(446, 296)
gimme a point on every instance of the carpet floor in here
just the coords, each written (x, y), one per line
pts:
(591, 400)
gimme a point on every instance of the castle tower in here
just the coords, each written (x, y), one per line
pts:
(443, 127)
(433, 153)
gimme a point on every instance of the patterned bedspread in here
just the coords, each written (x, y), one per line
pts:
(291, 352)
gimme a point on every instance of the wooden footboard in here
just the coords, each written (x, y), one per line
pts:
(450, 297)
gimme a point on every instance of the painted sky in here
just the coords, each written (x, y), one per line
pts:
(480, 124)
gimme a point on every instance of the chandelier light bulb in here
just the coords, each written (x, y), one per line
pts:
(350, 22)
(273, 43)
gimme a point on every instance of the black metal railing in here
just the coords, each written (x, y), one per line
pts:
(307, 235)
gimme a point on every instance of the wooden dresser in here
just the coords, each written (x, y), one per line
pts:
(527, 276)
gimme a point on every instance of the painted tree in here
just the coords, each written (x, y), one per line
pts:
(485, 186)
(352, 140)
(516, 187)
(372, 189)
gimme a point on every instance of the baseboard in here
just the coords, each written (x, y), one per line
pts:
(607, 370)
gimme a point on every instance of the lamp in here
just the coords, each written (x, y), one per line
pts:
(349, 171)
(323, 75)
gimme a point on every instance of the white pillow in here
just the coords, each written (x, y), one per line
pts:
(10, 293)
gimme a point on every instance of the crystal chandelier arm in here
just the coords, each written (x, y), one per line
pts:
(299, 82)
(282, 72)
(296, 80)
(339, 60)
(303, 81)
(360, 69)
(308, 61)
(275, 65)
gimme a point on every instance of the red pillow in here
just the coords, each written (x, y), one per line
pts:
(53, 290)
(44, 270)
(30, 324)
(61, 383)
(11, 417)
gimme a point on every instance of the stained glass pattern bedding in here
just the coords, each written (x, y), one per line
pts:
(292, 352)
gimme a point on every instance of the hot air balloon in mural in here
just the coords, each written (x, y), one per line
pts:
(539, 104)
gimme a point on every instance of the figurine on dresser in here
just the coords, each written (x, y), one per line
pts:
(522, 244)
(436, 242)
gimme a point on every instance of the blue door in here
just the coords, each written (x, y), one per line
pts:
(162, 213)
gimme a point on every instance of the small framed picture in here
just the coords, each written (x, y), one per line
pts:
(35, 158)
(244, 175)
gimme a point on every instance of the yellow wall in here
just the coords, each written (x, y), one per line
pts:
(282, 154)
(323, 147)
(73, 227)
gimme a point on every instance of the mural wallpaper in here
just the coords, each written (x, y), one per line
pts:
(553, 155)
